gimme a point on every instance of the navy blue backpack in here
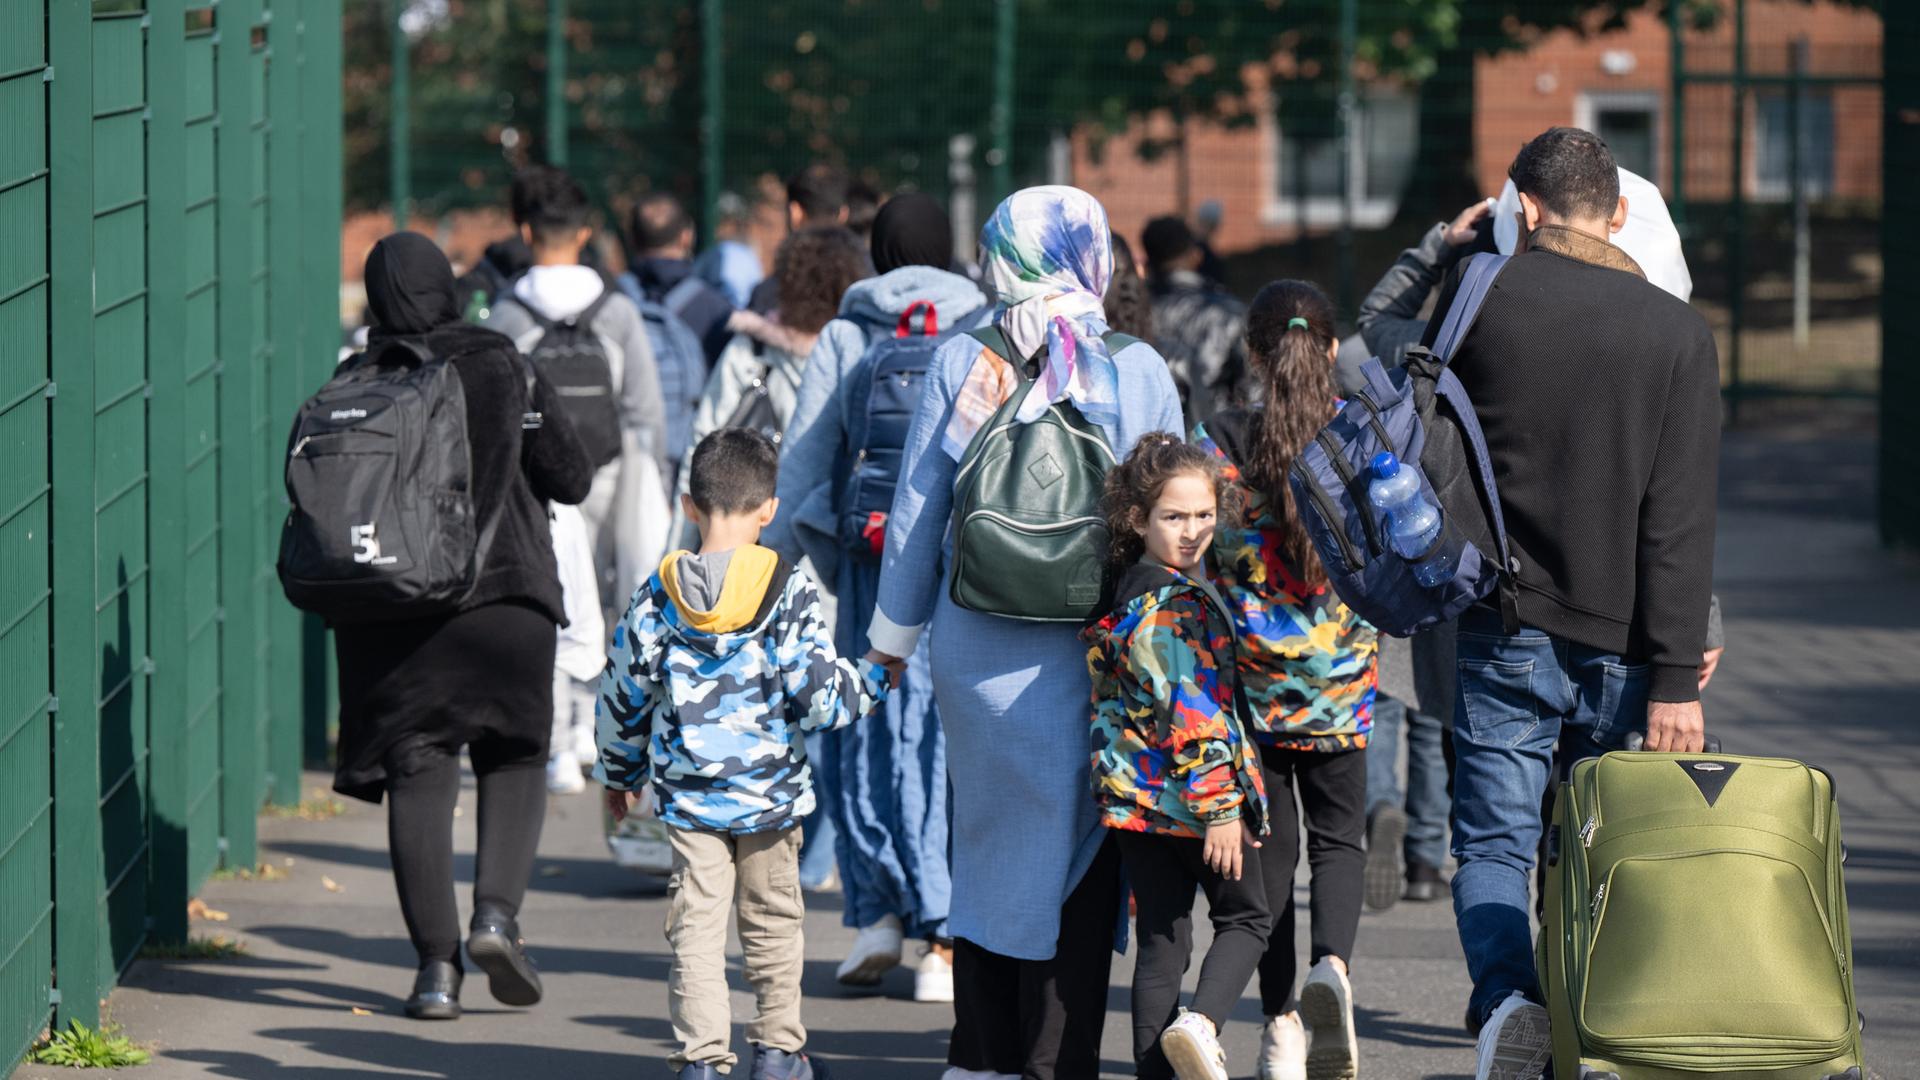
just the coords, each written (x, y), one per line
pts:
(678, 356)
(1421, 414)
(883, 389)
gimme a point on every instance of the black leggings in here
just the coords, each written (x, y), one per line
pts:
(1332, 789)
(1163, 871)
(513, 803)
(1042, 1019)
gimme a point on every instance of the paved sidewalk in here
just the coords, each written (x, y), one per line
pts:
(1824, 664)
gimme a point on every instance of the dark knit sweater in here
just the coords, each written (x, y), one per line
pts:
(1600, 398)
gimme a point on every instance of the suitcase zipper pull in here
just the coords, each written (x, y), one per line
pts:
(1599, 897)
(299, 446)
(1587, 830)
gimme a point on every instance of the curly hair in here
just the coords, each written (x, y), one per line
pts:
(1134, 486)
(814, 267)
(1289, 341)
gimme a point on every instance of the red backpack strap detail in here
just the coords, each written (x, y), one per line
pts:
(930, 328)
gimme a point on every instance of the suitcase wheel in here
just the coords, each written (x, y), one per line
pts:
(1850, 1074)
(1588, 1072)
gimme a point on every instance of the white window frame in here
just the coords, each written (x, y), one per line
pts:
(1323, 211)
(1589, 104)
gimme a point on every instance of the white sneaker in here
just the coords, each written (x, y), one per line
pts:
(1193, 1048)
(1283, 1049)
(1326, 1004)
(1516, 1043)
(563, 774)
(586, 747)
(933, 978)
(876, 951)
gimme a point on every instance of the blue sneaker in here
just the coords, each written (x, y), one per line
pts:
(771, 1064)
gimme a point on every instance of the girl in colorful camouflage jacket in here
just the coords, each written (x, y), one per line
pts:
(1174, 772)
(1308, 665)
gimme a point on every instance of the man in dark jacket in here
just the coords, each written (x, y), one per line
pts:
(816, 195)
(1600, 398)
(661, 233)
(1201, 329)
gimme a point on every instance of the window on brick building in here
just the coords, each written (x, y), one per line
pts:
(1385, 140)
(1630, 123)
(1773, 146)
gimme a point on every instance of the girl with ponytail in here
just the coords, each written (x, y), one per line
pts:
(1307, 665)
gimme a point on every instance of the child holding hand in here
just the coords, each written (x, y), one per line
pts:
(720, 667)
(1174, 772)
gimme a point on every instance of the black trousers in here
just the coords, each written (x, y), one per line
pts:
(1331, 789)
(1163, 871)
(423, 783)
(1042, 1019)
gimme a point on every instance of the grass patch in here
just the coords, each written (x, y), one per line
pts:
(82, 1047)
(317, 806)
(262, 872)
(217, 947)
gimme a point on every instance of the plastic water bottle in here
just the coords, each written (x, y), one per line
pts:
(1414, 523)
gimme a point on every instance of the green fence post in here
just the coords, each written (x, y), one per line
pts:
(320, 218)
(400, 122)
(557, 83)
(713, 128)
(1000, 153)
(287, 379)
(1348, 105)
(236, 95)
(79, 879)
(1737, 238)
(168, 766)
(1677, 116)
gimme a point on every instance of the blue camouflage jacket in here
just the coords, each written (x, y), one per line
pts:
(716, 720)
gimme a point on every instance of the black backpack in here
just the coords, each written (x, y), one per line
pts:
(754, 411)
(380, 479)
(576, 364)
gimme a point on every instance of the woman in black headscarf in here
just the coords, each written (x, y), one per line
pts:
(413, 693)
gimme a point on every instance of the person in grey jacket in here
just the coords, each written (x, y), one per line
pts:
(556, 227)
(1199, 327)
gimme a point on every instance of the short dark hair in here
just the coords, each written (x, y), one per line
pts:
(658, 221)
(734, 471)
(551, 202)
(863, 205)
(1164, 240)
(1570, 172)
(820, 190)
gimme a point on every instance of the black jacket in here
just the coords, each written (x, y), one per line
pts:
(1600, 398)
(410, 292)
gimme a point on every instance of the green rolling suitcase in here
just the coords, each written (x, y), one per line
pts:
(1696, 922)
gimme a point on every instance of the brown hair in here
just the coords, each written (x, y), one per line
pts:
(1135, 484)
(814, 267)
(1289, 333)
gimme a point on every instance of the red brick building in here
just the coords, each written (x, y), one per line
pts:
(1616, 83)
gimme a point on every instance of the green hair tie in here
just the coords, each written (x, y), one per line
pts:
(1297, 321)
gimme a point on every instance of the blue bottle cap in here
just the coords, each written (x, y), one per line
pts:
(1384, 464)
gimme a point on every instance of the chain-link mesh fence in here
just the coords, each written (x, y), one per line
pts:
(1321, 135)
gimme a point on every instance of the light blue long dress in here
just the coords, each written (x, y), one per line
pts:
(1013, 696)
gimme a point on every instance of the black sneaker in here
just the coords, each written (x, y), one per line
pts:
(1424, 883)
(495, 946)
(436, 992)
(1386, 879)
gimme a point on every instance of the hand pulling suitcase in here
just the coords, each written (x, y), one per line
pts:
(1696, 922)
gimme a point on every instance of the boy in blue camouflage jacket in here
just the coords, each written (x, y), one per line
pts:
(720, 666)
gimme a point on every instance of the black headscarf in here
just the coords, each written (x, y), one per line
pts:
(912, 230)
(411, 293)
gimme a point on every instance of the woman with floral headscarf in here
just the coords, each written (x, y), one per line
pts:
(1035, 889)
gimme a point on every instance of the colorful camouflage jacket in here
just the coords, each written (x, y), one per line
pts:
(1170, 754)
(715, 717)
(1306, 660)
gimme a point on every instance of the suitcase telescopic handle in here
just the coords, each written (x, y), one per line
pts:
(1638, 741)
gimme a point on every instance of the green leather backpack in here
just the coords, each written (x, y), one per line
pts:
(1029, 539)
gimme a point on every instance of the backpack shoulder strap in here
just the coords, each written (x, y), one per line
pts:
(682, 292)
(1116, 341)
(1475, 282)
(584, 320)
(990, 336)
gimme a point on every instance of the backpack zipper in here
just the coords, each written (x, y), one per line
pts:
(1330, 512)
(1022, 527)
(1347, 477)
(1373, 421)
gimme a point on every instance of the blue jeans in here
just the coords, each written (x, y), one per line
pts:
(1425, 799)
(1522, 698)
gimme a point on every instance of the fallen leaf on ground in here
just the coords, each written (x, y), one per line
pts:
(553, 871)
(358, 1011)
(330, 885)
(198, 909)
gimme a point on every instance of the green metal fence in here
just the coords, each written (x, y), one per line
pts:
(169, 213)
